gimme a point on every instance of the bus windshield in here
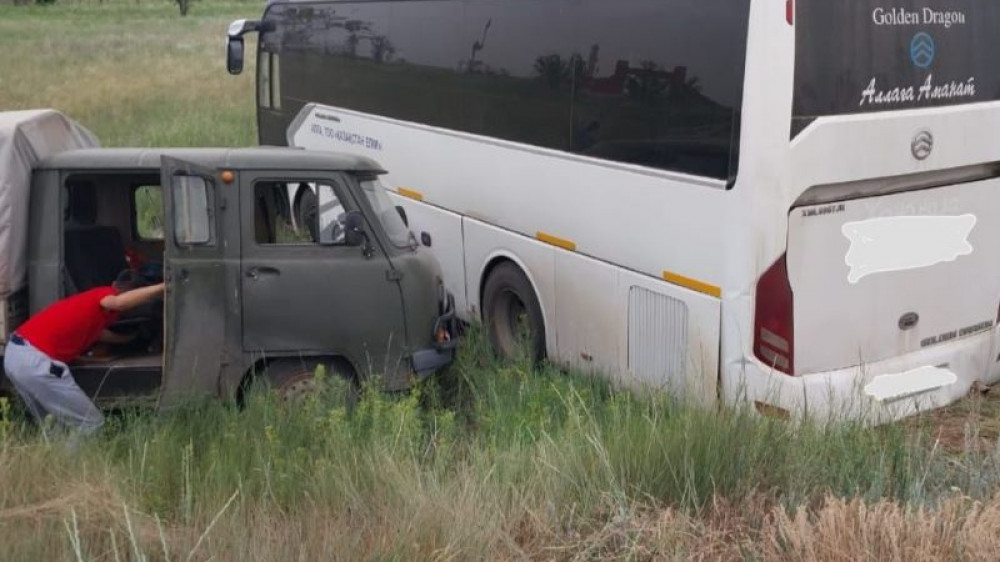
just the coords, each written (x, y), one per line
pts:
(871, 55)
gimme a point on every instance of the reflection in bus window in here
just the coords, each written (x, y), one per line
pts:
(645, 82)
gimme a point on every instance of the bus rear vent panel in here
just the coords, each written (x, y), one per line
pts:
(657, 337)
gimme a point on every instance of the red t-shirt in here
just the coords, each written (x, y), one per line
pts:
(67, 328)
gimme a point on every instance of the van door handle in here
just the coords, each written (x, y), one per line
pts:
(258, 272)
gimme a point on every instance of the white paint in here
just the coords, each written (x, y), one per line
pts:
(902, 385)
(860, 321)
(887, 244)
(447, 243)
(639, 222)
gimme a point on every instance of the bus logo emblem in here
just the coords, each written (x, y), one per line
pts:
(923, 145)
(923, 50)
(909, 321)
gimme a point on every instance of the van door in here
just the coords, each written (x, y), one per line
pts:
(305, 290)
(194, 324)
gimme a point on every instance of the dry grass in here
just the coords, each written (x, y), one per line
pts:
(838, 530)
(531, 466)
(972, 424)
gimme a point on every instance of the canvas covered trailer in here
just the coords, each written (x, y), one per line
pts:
(26, 138)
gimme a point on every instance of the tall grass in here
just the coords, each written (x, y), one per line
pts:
(488, 461)
(136, 75)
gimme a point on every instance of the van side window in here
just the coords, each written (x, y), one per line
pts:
(194, 222)
(289, 212)
(147, 212)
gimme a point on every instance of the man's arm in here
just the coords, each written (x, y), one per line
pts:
(107, 336)
(132, 299)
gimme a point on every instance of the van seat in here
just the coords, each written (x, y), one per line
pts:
(94, 255)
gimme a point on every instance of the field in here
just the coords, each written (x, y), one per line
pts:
(489, 461)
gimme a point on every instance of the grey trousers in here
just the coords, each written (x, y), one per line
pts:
(45, 394)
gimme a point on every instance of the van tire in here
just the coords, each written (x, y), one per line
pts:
(295, 379)
(511, 314)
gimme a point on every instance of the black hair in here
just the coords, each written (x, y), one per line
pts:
(128, 280)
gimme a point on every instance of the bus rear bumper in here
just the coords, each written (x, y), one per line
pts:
(875, 393)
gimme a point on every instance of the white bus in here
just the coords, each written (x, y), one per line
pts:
(791, 203)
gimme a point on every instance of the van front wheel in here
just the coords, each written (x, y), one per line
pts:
(512, 314)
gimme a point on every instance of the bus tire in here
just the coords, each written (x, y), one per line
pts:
(512, 315)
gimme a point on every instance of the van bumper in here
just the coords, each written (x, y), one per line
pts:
(874, 393)
(432, 359)
(428, 361)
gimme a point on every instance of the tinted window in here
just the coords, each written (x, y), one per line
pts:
(872, 55)
(516, 76)
(269, 81)
(264, 80)
(660, 83)
(397, 59)
(650, 82)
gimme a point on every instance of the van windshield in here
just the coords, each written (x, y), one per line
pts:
(397, 231)
(871, 55)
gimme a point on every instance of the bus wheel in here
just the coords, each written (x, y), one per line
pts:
(295, 379)
(512, 315)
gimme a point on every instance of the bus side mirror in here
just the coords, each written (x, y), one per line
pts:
(234, 43)
(234, 55)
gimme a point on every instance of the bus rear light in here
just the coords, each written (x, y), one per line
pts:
(790, 12)
(774, 329)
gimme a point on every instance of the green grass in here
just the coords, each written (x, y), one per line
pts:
(135, 75)
(491, 460)
(488, 460)
(477, 463)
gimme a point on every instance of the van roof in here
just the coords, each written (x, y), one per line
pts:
(258, 158)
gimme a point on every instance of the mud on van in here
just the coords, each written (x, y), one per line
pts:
(249, 290)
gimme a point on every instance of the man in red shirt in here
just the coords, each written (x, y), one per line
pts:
(37, 354)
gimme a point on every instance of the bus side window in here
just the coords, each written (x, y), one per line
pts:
(275, 81)
(269, 80)
(264, 80)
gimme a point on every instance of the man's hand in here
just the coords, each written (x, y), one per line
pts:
(131, 299)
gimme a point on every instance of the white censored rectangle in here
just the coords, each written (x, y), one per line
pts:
(901, 243)
(902, 385)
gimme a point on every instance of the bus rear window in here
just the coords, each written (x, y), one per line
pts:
(879, 55)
